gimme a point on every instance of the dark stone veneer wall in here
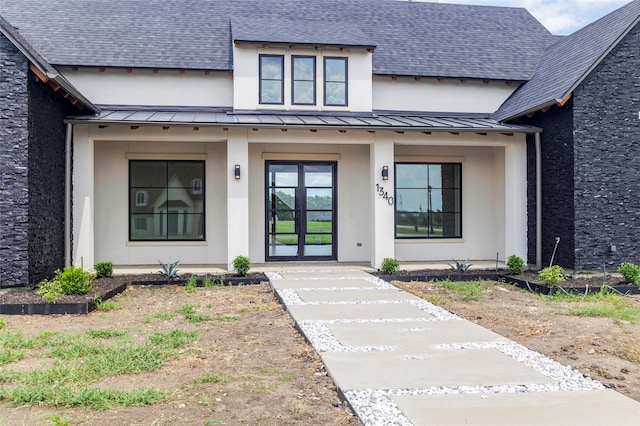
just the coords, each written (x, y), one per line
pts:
(14, 145)
(32, 161)
(591, 177)
(557, 187)
(607, 149)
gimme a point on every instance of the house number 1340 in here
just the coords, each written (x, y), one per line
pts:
(381, 192)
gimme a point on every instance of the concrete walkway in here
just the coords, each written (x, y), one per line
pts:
(399, 360)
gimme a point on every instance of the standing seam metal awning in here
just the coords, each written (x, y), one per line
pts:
(375, 121)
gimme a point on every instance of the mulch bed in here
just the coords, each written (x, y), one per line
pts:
(527, 280)
(26, 300)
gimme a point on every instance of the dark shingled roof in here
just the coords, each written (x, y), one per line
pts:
(313, 33)
(34, 56)
(411, 38)
(567, 63)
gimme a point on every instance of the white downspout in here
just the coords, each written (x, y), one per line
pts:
(538, 202)
(67, 195)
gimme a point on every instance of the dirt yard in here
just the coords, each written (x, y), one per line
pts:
(247, 366)
(604, 349)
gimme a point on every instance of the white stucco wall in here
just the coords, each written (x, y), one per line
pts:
(239, 89)
(116, 86)
(431, 95)
(354, 243)
(493, 190)
(246, 74)
(493, 196)
(108, 193)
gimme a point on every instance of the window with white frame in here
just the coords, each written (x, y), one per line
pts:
(272, 79)
(428, 200)
(174, 200)
(335, 81)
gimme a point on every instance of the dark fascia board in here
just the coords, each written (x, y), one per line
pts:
(34, 57)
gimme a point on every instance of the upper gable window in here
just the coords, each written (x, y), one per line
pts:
(272, 79)
(303, 76)
(335, 81)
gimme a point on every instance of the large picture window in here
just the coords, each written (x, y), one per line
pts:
(166, 200)
(335, 81)
(303, 74)
(428, 200)
(272, 79)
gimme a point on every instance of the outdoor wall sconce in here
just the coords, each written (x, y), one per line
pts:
(236, 172)
(385, 172)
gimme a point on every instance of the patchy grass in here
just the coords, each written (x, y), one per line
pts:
(468, 290)
(173, 339)
(10, 355)
(212, 378)
(105, 305)
(58, 421)
(605, 303)
(167, 316)
(104, 333)
(226, 318)
(79, 361)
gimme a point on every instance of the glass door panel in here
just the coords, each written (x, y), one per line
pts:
(319, 203)
(282, 214)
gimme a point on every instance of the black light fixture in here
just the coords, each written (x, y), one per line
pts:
(236, 172)
(385, 172)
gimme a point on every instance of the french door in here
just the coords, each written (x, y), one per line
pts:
(300, 210)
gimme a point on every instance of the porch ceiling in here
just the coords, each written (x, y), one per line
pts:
(410, 121)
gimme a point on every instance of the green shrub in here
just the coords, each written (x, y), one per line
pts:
(630, 272)
(103, 269)
(74, 280)
(241, 265)
(515, 265)
(552, 275)
(389, 266)
(50, 290)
